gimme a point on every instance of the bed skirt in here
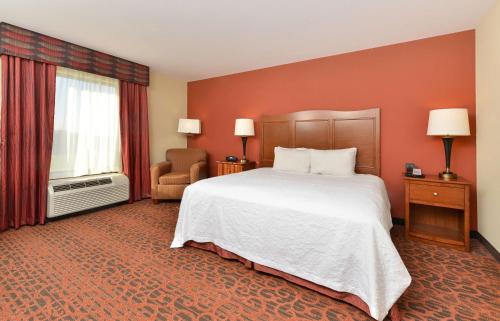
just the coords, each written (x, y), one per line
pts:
(342, 296)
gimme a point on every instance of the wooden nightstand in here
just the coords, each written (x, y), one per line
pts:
(438, 211)
(224, 168)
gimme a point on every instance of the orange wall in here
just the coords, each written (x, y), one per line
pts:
(405, 80)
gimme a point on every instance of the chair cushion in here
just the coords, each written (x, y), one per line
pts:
(175, 178)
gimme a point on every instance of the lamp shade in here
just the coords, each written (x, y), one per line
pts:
(448, 122)
(244, 127)
(189, 126)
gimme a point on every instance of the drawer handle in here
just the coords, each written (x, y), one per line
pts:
(435, 194)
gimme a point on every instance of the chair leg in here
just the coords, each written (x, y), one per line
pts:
(156, 201)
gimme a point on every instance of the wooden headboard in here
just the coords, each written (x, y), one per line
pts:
(324, 129)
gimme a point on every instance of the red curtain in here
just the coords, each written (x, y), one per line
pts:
(135, 138)
(27, 123)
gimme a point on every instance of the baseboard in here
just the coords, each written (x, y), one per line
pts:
(92, 210)
(493, 251)
(473, 234)
(398, 221)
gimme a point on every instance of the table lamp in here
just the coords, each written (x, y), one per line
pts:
(448, 123)
(244, 128)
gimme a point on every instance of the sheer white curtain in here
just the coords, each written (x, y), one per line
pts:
(86, 125)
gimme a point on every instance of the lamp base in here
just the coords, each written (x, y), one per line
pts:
(243, 161)
(448, 176)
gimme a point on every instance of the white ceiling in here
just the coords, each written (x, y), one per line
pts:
(197, 39)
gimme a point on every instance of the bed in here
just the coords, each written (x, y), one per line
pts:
(330, 234)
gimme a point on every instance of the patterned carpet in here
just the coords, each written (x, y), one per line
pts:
(116, 264)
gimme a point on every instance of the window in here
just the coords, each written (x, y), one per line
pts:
(86, 125)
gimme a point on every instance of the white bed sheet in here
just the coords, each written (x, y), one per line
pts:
(333, 231)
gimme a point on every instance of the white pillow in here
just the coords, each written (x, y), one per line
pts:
(292, 159)
(337, 162)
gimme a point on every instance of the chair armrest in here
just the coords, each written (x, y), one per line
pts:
(158, 170)
(198, 171)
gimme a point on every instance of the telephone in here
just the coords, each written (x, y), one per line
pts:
(412, 171)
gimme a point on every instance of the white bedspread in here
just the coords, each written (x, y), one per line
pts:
(333, 231)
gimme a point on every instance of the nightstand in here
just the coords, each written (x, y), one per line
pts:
(224, 168)
(437, 211)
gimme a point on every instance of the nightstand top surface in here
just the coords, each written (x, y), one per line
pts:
(236, 163)
(437, 179)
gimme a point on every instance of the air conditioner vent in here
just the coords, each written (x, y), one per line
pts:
(92, 183)
(61, 188)
(104, 181)
(77, 185)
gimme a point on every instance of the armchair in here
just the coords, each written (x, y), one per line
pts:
(183, 166)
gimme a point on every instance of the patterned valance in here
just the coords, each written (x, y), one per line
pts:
(16, 41)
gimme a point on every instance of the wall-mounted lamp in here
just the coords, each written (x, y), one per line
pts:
(189, 127)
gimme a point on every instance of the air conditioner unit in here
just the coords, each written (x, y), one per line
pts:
(71, 195)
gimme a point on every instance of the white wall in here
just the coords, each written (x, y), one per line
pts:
(488, 126)
(167, 103)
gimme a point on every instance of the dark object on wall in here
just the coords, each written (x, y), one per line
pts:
(19, 42)
(231, 159)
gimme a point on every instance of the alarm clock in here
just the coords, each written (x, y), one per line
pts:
(231, 159)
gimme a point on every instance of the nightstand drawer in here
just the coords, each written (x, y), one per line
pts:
(225, 168)
(437, 195)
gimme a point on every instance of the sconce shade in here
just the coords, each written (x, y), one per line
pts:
(189, 126)
(244, 127)
(448, 122)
